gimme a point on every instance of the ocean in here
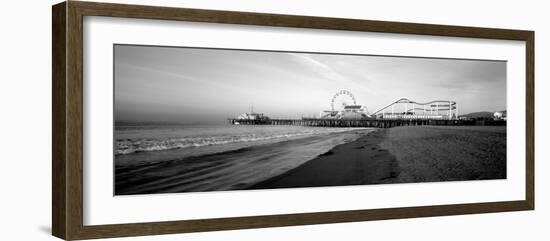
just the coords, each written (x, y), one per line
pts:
(168, 158)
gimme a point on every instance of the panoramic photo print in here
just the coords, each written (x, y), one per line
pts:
(200, 119)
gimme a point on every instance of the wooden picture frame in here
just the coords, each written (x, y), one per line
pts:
(67, 156)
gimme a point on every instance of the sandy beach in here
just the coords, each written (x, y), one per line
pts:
(405, 155)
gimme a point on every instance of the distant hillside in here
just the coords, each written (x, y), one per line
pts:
(481, 114)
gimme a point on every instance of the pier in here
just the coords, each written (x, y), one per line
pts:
(402, 112)
(378, 123)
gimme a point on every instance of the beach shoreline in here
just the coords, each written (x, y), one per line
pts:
(404, 155)
(227, 169)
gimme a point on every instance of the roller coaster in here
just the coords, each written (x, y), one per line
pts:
(344, 106)
(407, 109)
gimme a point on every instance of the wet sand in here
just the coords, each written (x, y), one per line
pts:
(358, 162)
(405, 155)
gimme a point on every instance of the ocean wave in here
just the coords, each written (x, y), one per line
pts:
(128, 146)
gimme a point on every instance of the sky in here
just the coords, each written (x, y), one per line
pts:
(192, 85)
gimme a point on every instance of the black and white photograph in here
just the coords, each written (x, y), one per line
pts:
(199, 119)
(275, 120)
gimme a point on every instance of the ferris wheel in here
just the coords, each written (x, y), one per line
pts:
(341, 99)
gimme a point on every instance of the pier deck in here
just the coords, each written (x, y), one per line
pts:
(379, 123)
